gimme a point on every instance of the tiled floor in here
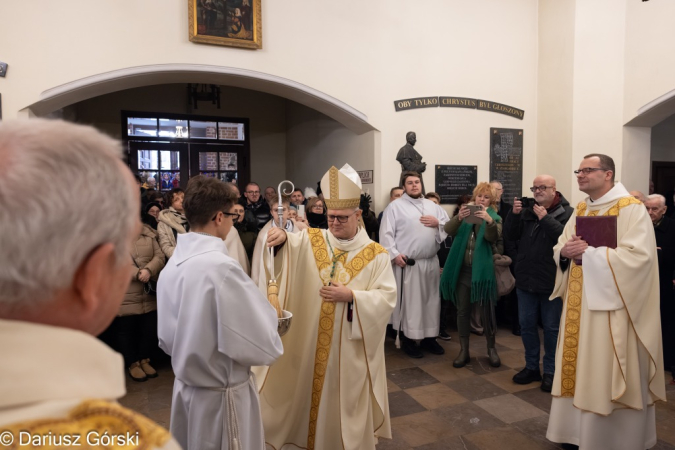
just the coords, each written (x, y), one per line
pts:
(434, 406)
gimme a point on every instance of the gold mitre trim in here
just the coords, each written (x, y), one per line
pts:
(342, 204)
(339, 188)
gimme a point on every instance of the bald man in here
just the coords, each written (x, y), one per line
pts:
(538, 227)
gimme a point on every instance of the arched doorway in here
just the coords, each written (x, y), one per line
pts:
(650, 144)
(318, 127)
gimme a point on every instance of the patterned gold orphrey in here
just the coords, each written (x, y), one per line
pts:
(101, 417)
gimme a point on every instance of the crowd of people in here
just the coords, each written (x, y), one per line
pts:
(192, 272)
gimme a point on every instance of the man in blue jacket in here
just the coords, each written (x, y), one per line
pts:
(537, 228)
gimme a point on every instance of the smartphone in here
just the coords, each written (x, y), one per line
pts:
(527, 202)
(472, 217)
(301, 211)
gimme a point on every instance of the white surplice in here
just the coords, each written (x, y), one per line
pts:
(401, 232)
(215, 324)
(609, 363)
(235, 248)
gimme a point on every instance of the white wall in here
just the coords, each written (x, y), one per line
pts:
(599, 62)
(266, 113)
(597, 114)
(554, 93)
(650, 60)
(316, 142)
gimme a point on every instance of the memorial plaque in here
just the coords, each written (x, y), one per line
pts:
(453, 181)
(506, 161)
(416, 103)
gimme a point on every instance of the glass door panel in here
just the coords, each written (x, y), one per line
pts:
(165, 163)
(219, 161)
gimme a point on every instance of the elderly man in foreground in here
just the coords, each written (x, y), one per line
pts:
(329, 389)
(63, 275)
(608, 365)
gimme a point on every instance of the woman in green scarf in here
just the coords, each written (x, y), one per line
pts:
(469, 275)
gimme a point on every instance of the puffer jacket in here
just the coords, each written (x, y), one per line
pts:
(493, 235)
(167, 221)
(145, 254)
(535, 267)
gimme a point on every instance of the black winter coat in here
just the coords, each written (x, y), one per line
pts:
(665, 239)
(535, 267)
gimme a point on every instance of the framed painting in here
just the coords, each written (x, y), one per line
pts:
(234, 23)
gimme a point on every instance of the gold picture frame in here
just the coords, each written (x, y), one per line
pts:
(233, 23)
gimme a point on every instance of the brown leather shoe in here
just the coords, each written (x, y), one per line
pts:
(137, 373)
(150, 372)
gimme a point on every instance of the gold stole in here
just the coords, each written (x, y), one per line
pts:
(575, 285)
(344, 274)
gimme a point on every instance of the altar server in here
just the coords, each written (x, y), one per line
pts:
(412, 230)
(215, 324)
(329, 390)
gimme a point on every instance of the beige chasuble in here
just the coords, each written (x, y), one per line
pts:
(236, 250)
(609, 353)
(329, 389)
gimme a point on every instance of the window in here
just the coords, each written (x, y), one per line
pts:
(138, 126)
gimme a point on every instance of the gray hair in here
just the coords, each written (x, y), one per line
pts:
(660, 198)
(63, 194)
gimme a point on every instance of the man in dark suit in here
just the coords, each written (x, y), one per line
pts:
(664, 230)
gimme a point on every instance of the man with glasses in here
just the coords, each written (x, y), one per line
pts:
(215, 324)
(329, 390)
(609, 364)
(256, 204)
(412, 230)
(538, 228)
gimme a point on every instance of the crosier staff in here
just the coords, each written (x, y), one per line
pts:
(272, 286)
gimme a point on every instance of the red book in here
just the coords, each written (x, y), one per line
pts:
(597, 231)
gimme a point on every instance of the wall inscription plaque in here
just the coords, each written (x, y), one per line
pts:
(506, 161)
(453, 181)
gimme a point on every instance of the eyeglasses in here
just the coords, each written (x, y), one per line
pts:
(539, 188)
(340, 219)
(253, 192)
(226, 214)
(588, 170)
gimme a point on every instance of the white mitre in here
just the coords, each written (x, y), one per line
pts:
(341, 188)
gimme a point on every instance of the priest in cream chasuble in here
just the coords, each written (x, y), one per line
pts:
(609, 365)
(329, 390)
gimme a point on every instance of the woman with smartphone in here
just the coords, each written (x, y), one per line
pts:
(469, 275)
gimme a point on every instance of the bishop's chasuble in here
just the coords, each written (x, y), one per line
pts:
(609, 364)
(329, 389)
